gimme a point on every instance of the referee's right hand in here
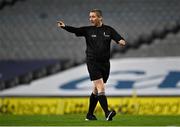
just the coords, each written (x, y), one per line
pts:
(60, 24)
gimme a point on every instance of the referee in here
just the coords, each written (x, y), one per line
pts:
(98, 38)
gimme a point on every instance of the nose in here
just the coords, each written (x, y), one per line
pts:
(90, 20)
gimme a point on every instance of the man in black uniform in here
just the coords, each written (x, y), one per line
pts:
(98, 38)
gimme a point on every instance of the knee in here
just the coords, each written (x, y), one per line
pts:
(99, 84)
(95, 91)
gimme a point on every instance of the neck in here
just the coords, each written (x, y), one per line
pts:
(99, 24)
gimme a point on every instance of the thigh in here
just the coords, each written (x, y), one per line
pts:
(105, 69)
(99, 84)
(94, 71)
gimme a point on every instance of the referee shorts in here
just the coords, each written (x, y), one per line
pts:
(98, 70)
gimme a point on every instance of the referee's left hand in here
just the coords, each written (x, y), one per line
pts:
(122, 42)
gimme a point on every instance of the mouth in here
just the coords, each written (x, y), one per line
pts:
(92, 22)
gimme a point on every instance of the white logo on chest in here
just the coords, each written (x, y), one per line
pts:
(93, 35)
(106, 35)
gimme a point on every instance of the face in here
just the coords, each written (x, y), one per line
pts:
(94, 19)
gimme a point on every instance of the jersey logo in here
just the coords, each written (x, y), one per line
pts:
(106, 35)
(93, 35)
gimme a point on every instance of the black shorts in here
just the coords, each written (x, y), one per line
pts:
(98, 70)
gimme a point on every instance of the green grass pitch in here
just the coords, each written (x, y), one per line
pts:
(78, 120)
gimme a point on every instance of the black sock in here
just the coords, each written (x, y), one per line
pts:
(103, 102)
(92, 103)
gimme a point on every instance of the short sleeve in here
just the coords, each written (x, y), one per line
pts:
(115, 35)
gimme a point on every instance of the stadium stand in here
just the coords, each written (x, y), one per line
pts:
(4, 3)
(169, 46)
(28, 29)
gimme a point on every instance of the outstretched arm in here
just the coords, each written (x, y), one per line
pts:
(71, 29)
(78, 31)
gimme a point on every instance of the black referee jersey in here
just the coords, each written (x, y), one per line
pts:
(98, 41)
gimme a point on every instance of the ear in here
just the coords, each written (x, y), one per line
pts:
(100, 18)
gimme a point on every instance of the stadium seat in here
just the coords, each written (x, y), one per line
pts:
(28, 29)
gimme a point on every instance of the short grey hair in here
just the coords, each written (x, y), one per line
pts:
(97, 11)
